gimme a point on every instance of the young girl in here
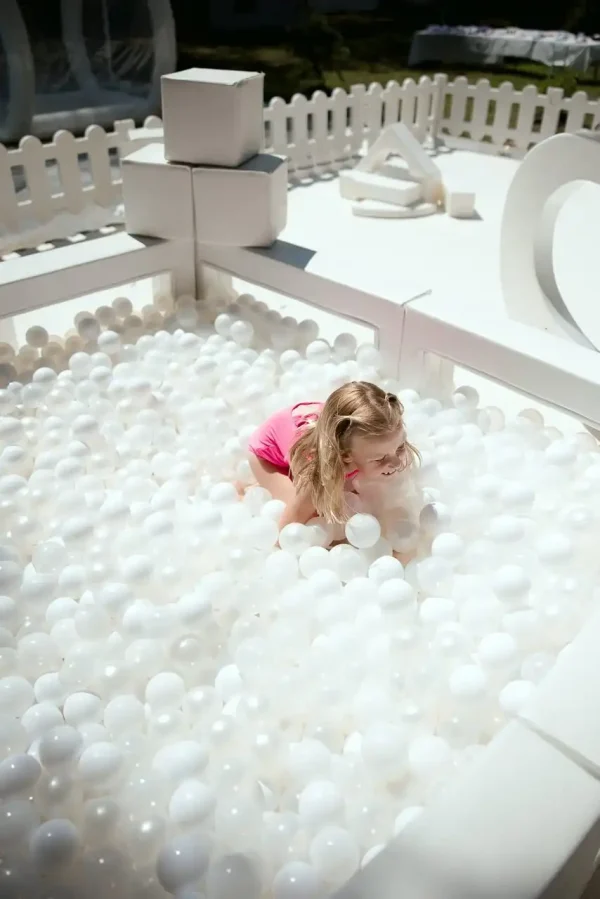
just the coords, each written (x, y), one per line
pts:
(313, 454)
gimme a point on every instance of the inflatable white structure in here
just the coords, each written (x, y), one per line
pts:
(128, 798)
(75, 90)
(397, 178)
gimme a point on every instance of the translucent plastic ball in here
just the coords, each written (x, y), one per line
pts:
(515, 695)
(383, 745)
(100, 763)
(16, 695)
(165, 691)
(334, 855)
(497, 651)
(511, 583)
(295, 538)
(54, 844)
(82, 708)
(297, 880)
(363, 531)
(468, 683)
(448, 546)
(428, 755)
(18, 773)
(181, 760)
(232, 876)
(182, 861)
(319, 803)
(397, 596)
(191, 803)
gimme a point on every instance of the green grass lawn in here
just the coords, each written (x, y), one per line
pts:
(378, 52)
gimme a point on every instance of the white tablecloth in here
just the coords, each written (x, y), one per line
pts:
(491, 45)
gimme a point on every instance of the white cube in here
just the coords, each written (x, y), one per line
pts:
(460, 204)
(243, 207)
(157, 195)
(213, 117)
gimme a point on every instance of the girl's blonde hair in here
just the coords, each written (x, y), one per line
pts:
(317, 459)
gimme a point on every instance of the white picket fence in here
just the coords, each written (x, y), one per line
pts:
(71, 179)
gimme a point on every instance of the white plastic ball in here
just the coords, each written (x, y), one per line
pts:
(182, 861)
(468, 683)
(165, 691)
(363, 531)
(297, 880)
(295, 538)
(54, 844)
(515, 696)
(319, 803)
(428, 755)
(100, 763)
(497, 651)
(18, 773)
(334, 854)
(82, 708)
(191, 803)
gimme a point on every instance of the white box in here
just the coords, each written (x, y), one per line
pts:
(243, 207)
(460, 204)
(157, 195)
(213, 117)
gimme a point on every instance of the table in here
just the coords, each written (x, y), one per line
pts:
(490, 45)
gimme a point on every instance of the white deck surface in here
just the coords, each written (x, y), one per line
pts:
(455, 258)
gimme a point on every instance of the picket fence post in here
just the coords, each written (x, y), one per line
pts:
(482, 95)
(340, 139)
(526, 117)
(424, 100)
(10, 218)
(357, 110)
(105, 192)
(70, 174)
(300, 149)
(276, 116)
(374, 112)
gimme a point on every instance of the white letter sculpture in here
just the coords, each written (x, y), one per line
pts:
(381, 186)
(550, 174)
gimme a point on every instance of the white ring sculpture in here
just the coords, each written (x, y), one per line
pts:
(548, 176)
(20, 118)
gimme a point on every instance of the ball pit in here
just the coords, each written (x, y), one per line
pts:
(186, 709)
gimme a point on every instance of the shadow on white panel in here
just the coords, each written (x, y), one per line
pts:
(575, 256)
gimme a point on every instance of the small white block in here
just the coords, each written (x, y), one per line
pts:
(358, 185)
(157, 195)
(213, 117)
(242, 207)
(460, 204)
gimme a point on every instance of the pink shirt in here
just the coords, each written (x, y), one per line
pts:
(274, 439)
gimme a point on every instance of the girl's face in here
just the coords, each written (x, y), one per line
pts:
(379, 456)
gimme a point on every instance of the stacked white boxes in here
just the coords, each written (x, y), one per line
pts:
(210, 180)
